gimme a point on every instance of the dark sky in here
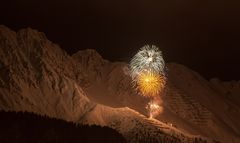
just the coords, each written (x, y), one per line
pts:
(201, 34)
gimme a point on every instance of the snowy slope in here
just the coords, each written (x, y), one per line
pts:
(37, 76)
(201, 105)
(190, 102)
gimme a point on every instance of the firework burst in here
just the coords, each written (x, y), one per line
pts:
(147, 71)
(148, 74)
(150, 84)
(149, 58)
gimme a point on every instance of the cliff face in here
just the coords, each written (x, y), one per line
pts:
(37, 76)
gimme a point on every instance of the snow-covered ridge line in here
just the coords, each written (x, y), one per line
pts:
(37, 76)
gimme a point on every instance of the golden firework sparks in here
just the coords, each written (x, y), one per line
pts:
(150, 84)
(148, 74)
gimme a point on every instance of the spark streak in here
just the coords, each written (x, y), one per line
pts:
(154, 109)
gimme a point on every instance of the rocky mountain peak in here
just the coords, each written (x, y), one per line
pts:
(37, 76)
(89, 59)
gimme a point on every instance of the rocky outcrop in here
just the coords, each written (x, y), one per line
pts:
(37, 76)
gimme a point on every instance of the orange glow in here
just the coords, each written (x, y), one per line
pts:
(150, 84)
(154, 109)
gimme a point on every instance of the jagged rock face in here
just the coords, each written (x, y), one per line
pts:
(107, 83)
(37, 76)
(89, 66)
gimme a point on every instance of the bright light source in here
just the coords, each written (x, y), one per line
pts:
(150, 84)
(154, 109)
(148, 74)
(148, 58)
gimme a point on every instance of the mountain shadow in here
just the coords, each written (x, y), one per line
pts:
(30, 128)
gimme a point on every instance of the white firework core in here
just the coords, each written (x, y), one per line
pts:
(148, 58)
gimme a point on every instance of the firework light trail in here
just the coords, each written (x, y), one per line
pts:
(154, 109)
(148, 74)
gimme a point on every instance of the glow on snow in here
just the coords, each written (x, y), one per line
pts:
(153, 108)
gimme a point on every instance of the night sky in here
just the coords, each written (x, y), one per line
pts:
(201, 34)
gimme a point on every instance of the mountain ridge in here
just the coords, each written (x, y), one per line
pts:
(38, 76)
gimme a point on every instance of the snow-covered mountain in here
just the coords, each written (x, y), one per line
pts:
(191, 103)
(38, 76)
